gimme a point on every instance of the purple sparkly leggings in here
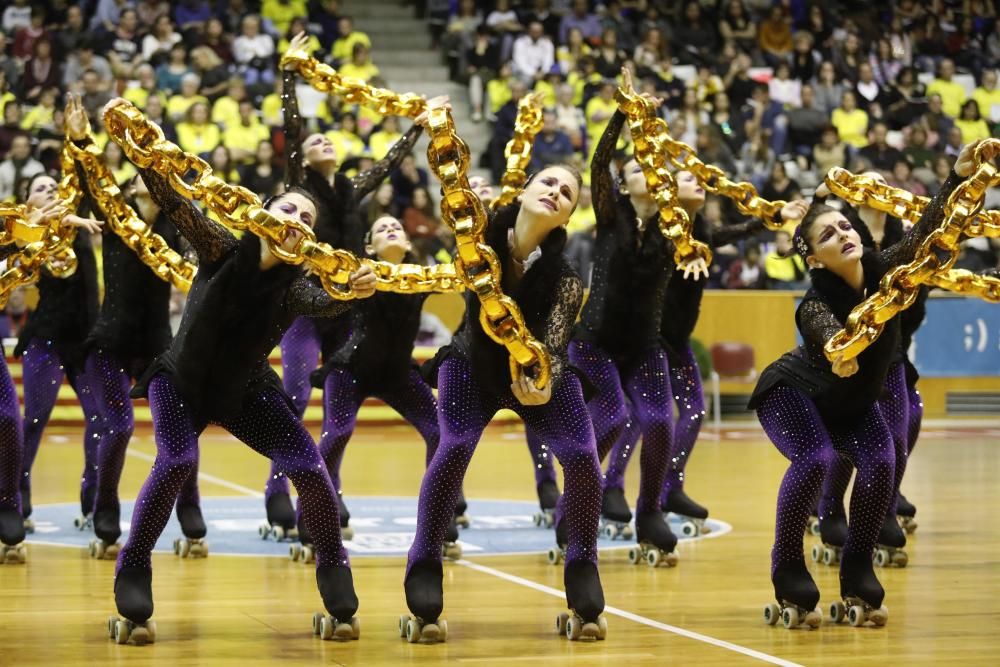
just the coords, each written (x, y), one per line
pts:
(896, 411)
(269, 427)
(541, 458)
(10, 441)
(464, 410)
(646, 383)
(794, 425)
(342, 400)
(43, 372)
(916, 404)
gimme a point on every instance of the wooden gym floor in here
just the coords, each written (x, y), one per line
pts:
(707, 611)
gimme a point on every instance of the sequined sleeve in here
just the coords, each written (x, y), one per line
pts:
(817, 323)
(906, 249)
(294, 171)
(307, 298)
(367, 181)
(209, 239)
(601, 187)
(559, 328)
(726, 234)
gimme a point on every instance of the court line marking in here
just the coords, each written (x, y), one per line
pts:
(729, 646)
(245, 490)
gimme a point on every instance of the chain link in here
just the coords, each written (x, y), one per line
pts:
(43, 243)
(969, 283)
(240, 209)
(527, 125)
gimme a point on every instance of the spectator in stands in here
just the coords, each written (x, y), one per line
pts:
(774, 36)
(156, 112)
(850, 121)
(745, 272)
(847, 57)
(380, 141)
(783, 88)
(347, 37)
(552, 145)
(952, 93)
(757, 160)
(806, 123)
(95, 94)
(533, 54)
(114, 158)
(784, 267)
(459, 35)
(83, 59)
(226, 109)
(25, 38)
(261, 175)
(942, 168)
(918, 154)
(779, 185)
(212, 72)
(696, 37)
(170, 73)
(253, 52)
(737, 82)
(107, 14)
(879, 153)
(714, 151)
(42, 115)
(568, 54)
(819, 27)
(156, 45)
(217, 39)
(11, 127)
(196, 133)
(149, 12)
(222, 164)
(580, 230)
(40, 71)
(905, 99)
(18, 165)
(805, 60)
(885, 65)
(192, 15)
(736, 25)
(569, 117)
(406, 179)
(125, 54)
(830, 151)
(669, 87)
(581, 19)
(380, 204)
(247, 131)
(608, 57)
(727, 123)
(503, 21)
(599, 110)
(953, 142)
(650, 53)
(281, 13)
(482, 60)
(67, 39)
(829, 91)
(314, 47)
(420, 221)
(971, 123)
(768, 114)
(360, 65)
(902, 177)
(178, 104)
(869, 95)
(9, 65)
(987, 95)
(139, 95)
(345, 138)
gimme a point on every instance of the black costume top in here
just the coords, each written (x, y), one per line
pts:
(549, 295)
(822, 313)
(631, 267)
(67, 307)
(236, 313)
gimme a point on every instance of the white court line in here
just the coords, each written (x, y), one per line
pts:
(736, 648)
(245, 490)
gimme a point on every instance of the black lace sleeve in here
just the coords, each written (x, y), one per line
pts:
(559, 328)
(367, 181)
(8, 250)
(294, 170)
(817, 322)
(726, 234)
(306, 298)
(906, 249)
(209, 239)
(601, 187)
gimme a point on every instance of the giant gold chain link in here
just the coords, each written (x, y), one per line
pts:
(151, 248)
(649, 134)
(527, 125)
(42, 243)
(238, 208)
(476, 262)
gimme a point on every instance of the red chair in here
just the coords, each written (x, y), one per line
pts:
(730, 361)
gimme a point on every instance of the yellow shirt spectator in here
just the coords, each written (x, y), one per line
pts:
(973, 130)
(270, 110)
(499, 93)
(38, 117)
(852, 126)
(567, 60)
(239, 136)
(597, 114)
(952, 95)
(786, 269)
(281, 13)
(365, 72)
(380, 142)
(178, 105)
(124, 172)
(226, 111)
(989, 102)
(548, 93)
(581, 220)
(139, 96)
(343, 48)
(198, 138)
(346, 144)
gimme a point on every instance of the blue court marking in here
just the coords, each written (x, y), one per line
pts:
(383, 526)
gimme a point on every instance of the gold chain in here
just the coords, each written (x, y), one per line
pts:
(527, 125)
(936, 256)
(969, 283)
(239, 208)
(649, 134)
(43, 243)
(150, 247)
(476, 262)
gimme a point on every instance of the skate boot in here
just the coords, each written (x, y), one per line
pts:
(557, 554)
(692, 514)
(346, 532)
(193, 544)
(134, 599)
(86, 519)
(461, 507)
(12, 549)
(861, 592)
(336, 587)
(29, 525)
(656, 541)
(891, 540)
(585, 599)
(615, 515)
(303, 552)
(425, 599)
(280, 524)
(451, 549)
(548, 498)
(905, 513)
(833, 533)
(107, 527)
(797, 597)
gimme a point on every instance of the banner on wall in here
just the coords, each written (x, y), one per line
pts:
(960, 336)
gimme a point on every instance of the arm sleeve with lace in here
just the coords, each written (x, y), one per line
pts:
(367, 181)
(601, 187)
(904, 251)
(726, 234)
(559, 328)
(294, 170)
(306, 298)
(209, 239)
(817, 323)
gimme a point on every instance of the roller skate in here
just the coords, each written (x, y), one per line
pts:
(656, 541)
(86, 519)
(336, 587)
(585, 599)
(548, 498)
(451, 549)
(461, 507)
(615, 515)
(304, 552)
(346, 532)
(905, 513)
(425, 599)
(797, 597)
(833, 533)
(134, 599)
(193, 544)
(12, 549)
(861, 592)
(692, 514)
(107, 528)
(891, 540)
(557, 554)
(280, 524)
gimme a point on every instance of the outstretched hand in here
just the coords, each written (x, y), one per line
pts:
(77, 122)
(966, 162)
(114, 102)
(299, 43)
(794, 210)
(441, 101)
(694, 269)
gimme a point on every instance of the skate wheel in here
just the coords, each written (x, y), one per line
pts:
(326, 628)
(900, 559)
(856, 616)
(814, 526)
(814, 619)
(879, 616)
(817, 553)
(442, 630)
(555, 556)
(111, 552)
(771, 613)
(627, 533)
(347, 533)
(308, 556)
(634, 556)
(462, 520)
(689, 529)
(573, 629)
(278, 532)
(610, 532)
(317, 619)
(881, 557)
(829, 556)
(355, 628)
(177, 547)
(537, 519)
(790, 617)
(121, 632)
(92, 550)
(550, 520)
(837, 611)
(602, 628)
(342, 631)
(453, 551)
(671, 559)
(151, 631)
(294, 551)
(264, 531)
(412, 630)
(653, 557)
(561, 623)
(112, 621)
